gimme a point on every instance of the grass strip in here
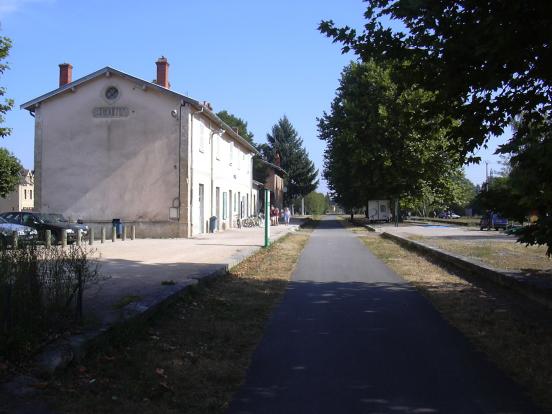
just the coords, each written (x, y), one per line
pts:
(192, 355)
(514, 333)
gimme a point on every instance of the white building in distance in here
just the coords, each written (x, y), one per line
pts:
(110, 145)
(22, 198)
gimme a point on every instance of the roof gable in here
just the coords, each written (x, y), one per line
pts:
(30, 105)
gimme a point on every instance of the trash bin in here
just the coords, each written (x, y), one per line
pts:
(118, 224)
(213, 221)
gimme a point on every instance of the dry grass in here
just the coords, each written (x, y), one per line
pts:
(193, 355)
(506, 255)
(514, 333)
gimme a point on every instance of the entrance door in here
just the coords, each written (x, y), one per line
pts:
(217, 208)
(201, 209)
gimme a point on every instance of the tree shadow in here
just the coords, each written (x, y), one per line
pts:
(370, 348)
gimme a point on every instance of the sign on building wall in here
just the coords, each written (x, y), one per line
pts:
(110, 112)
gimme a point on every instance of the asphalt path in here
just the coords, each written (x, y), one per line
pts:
(350, 336)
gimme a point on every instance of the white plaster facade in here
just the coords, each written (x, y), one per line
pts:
(22, 198)
(149, 156)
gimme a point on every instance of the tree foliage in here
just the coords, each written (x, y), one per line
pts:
(10, 170)
(7, 104)
(9, 165)
(301, 177)
(530, 151)
(485, 61)
(315, 203)
(238, 124)
(456, 194)
(380, 144)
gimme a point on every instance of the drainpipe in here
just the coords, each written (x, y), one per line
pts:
(192, 166)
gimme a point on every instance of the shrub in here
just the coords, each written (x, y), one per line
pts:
(41, 294)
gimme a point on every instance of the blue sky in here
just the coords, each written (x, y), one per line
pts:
(257, 59)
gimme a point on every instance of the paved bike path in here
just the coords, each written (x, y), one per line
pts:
(350, 336)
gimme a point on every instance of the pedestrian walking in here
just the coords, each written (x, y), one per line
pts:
(277, 215)
(287, 215)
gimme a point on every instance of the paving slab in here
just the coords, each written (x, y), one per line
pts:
(351, 336)
(142, 269)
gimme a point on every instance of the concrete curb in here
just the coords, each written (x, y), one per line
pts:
(537, 290)
(366, 226)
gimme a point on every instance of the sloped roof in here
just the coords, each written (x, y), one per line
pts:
(30, 105)
(273, 166)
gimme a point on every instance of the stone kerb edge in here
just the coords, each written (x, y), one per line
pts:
(512, 280)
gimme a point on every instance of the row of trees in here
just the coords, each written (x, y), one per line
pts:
(301, 178)
(422, 99)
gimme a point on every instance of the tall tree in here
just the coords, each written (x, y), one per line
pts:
(485, 61)
(7, 104)
(379, 144)
(9, 165)
(530, 151)
(240, 126)
(10, 170)
(301, 176)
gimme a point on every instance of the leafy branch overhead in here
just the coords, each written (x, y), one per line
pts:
(469, 68)
(5, 104)
(10, 167)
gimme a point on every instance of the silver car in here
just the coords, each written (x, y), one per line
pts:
(24, 233)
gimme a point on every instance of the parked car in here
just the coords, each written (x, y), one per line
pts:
(42, 222)
(25, 234)
(493, 220)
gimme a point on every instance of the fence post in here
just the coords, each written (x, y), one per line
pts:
(113, 234)
(14, 239)
(48, 236)
(124, 233)
(103, 234)
(91, 236)
(63, 238)
(79, 237)
(133, 232)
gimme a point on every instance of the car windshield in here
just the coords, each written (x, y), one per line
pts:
(52, 218)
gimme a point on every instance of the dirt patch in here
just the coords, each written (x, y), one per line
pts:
(192, 356)
(514, 333)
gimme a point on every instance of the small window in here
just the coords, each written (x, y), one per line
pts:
(111, 93)
(382, 208)
(224, 205)
(31, 194)
(25, 192)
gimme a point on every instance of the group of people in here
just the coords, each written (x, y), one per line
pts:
(276, 214)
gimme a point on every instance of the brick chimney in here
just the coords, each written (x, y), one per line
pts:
(277, 158)
(65, 74)
(163, 72)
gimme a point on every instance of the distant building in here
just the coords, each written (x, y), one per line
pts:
(275, 182)
(110, 145)
(23, 197)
